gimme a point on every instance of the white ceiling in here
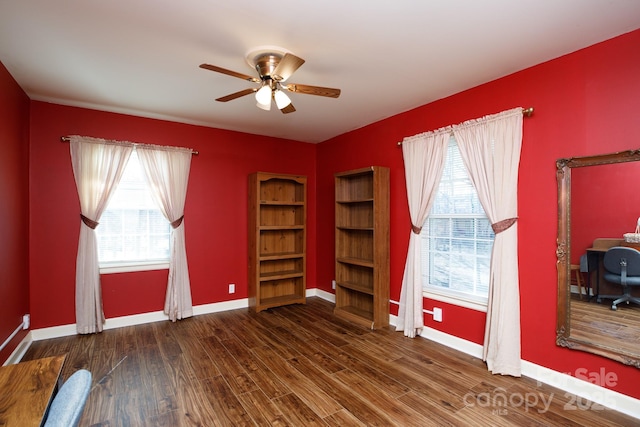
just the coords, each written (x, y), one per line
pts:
(141, 57)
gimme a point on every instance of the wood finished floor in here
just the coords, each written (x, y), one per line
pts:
(591, 321)
(299, 366)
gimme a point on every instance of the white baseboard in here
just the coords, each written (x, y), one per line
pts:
(570, 384)
(137, 319)
(327, 296)
(600, 396)
(158, 316)
(19, 352)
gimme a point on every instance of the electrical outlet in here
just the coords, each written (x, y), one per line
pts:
(26, 321)
(437, 314)
(232, 288)
(333, 284)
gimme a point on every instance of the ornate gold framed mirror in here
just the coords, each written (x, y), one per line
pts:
(597, 340)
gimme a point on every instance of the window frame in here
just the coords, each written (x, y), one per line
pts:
(128, 267)
(123, 266)
(439, 293)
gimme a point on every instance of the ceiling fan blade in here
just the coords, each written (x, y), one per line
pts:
(313, 90)
(287, 66)
(236, 95)
(229, 72)
(288, 109)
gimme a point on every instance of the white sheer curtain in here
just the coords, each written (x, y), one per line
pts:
(167, 171)
(98, 166)
(490, 148)
(424, 158)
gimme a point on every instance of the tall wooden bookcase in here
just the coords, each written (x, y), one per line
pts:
(362, 246)
(277, 240)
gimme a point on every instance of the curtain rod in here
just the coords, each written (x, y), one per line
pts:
(67, 139)
(527, 112)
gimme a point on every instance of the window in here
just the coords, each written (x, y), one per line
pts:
(457, 237)
(133, 233)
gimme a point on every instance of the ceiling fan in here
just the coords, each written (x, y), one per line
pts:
(274, 66)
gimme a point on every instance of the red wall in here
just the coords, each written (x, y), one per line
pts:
(604, 203)
(585, 103)
(14, 209)
(215, 210)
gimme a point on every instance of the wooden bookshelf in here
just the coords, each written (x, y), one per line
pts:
(362, 246)
(277, 240)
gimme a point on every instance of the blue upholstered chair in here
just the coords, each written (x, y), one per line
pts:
(67, 406)
(622, 265)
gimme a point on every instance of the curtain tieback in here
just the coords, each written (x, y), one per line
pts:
(89, 222)
(175, 224)
(503, 225)
(416, 229)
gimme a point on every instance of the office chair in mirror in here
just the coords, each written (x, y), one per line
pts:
(622, 265)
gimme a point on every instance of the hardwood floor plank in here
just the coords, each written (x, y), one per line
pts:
(394, 409)
(179, 373)
(240, 353)
(482, 416)
(101, 397)
(435, 372)
(375, 349)
(194, 408)
(105, 341)
(240, 325)
(309, 347)
(381, 378)
(263, 377)
(263, 411)
(205, 326)
(79, 356)
(145, 336)
(324, 361)
(134, 399)
(304, 321)
(48, 348)
(300, 365)
(224, 403)
(273, 340)
(132, 409)
(343, 394)
(438, 415)
(343, 418)
(289, 325)
(197, 361)
(309, 344)
(168, 419)
(295, 410)
(127, 375)
(166, 340)
(126, 340)
(317, 399)
(156, 379)
(302, 346)
(228, 366)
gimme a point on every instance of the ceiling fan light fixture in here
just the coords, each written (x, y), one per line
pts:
(263, 95)
(282, 100)
(273, 65)
(265, 107)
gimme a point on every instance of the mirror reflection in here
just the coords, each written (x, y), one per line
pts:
(599, 286)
